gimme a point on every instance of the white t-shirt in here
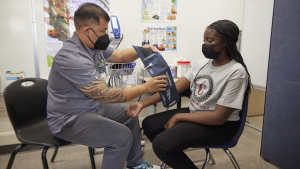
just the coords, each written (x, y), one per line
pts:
(223, 85)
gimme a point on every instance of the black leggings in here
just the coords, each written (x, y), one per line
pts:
(168, 145)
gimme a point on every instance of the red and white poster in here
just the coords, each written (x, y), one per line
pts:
(59, 22)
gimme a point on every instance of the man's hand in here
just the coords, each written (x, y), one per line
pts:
(156, 84)
(134, 109)
(153, 48)
(172, 122)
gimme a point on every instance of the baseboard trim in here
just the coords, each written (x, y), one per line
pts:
(259, 88)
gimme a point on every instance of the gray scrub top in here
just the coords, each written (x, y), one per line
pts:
(74, 66)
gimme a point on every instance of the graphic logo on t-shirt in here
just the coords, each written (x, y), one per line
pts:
(202, 88)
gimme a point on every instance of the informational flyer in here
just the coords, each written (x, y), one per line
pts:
(59, 22)
(12, 76)
(159, 10)
(171, 43)
(164, 38)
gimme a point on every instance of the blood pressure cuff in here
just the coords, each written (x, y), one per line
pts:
(159, 67)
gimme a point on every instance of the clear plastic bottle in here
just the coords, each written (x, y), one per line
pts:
(182, 67)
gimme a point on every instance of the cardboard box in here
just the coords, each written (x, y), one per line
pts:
(256, 102)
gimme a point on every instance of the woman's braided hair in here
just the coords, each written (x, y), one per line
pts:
(230, 34)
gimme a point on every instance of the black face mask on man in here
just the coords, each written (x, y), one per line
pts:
(209, 51)
(102, 42)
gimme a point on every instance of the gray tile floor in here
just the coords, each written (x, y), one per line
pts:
(247, 151)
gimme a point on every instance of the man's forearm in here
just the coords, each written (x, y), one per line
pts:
(134, 92)
(116, 94)
(128, 55)
(181, 85)
(99, 91)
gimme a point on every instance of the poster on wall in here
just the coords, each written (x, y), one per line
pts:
(159, 10)
(59, 22)
(163, 38)
(11, 76)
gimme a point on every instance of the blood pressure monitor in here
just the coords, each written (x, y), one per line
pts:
(115, 26)
(114, 31)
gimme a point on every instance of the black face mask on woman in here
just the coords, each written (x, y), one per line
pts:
(102, 42)
(209, 51)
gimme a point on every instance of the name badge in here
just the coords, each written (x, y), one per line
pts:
(102, 73)
(101, 65)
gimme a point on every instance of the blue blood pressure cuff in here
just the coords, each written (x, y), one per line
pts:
(156, 66)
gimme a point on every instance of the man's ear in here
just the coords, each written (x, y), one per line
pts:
(86, 31)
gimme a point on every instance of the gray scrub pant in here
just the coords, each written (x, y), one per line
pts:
(110, 128)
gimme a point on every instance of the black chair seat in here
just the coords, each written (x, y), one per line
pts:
(27, 110)
(39, 134)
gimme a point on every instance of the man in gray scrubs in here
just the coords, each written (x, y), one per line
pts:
(81, 108)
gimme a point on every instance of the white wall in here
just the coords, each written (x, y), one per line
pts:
(193, 17)
(16, 46)
(41, 39)
(256, 38)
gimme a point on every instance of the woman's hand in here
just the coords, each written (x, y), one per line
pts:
(172, 122)
(134, 109)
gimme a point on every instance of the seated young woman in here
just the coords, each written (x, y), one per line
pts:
(218, 85)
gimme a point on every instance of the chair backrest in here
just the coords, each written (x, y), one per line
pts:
(242, 121)
(26, 105)
(187, 93)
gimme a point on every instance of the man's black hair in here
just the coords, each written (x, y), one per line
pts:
(230, 34)
(89, 13)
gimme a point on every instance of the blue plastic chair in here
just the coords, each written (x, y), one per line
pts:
(232, 143)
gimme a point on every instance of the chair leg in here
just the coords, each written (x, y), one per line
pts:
(44, 158)
(13, 155)
(212, 159)
(208, 157)
(92, 157)
(162, 165)
(54, 154)
(230, 155)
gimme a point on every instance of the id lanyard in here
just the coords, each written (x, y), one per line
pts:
(101, 65)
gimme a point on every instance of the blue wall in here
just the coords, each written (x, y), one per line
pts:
(281, 128)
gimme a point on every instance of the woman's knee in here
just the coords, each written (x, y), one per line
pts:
(160, 145)
(147, 123)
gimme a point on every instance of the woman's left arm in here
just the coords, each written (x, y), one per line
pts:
(232, 96)
(216, 117)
